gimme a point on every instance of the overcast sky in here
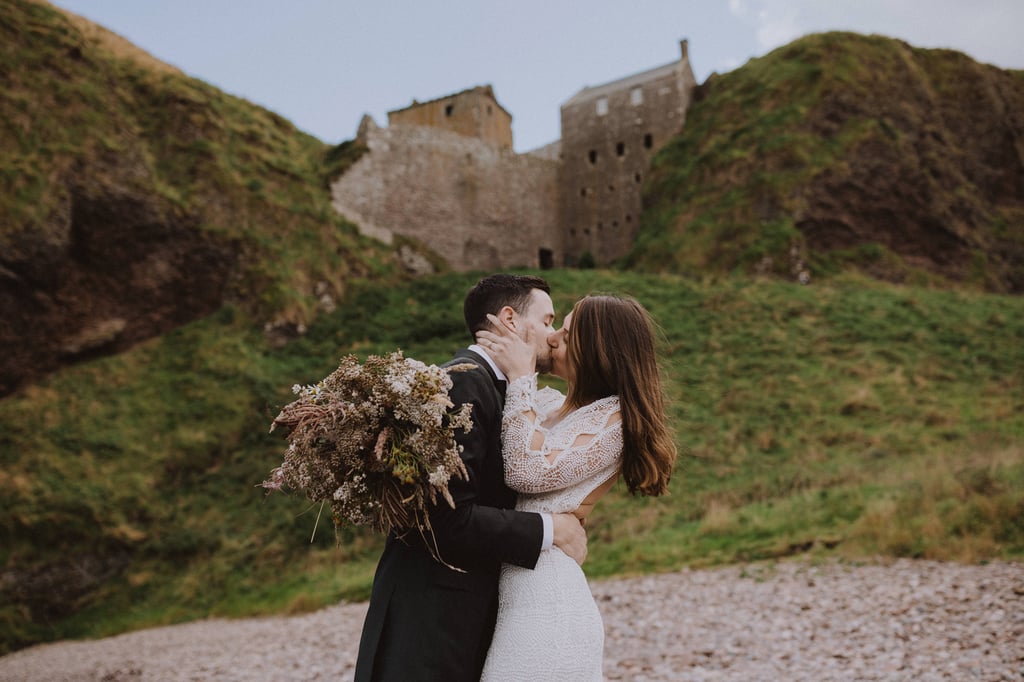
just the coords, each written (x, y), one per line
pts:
(324, 63)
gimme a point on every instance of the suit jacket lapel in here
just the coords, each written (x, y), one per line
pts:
(499, 384)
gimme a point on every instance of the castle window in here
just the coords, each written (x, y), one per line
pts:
(615, 223)
(636, 96)
(637, 177)
(629, 218)
(648, 141)
(602, 106)
(593, 156)
(586, 231)
(449, 108)
(611, 188)
(620, 148)
(572, 232)
(583, 191)
(489, 110)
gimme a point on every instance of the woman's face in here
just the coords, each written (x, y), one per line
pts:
(559, 342)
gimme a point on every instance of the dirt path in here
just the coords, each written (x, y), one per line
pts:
(906, 620)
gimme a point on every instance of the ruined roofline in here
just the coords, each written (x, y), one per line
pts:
(486, 89)
(589, 93)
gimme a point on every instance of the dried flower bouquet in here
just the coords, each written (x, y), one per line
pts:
(376, 441)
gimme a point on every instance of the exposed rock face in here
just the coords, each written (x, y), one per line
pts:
(108, 271)
(941, 176)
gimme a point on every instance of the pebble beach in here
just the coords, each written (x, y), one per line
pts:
(893, 620)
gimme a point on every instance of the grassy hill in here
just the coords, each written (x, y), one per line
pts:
(850, 418)
(134, 199)
(841, 150)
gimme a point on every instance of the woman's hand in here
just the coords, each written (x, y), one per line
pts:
(511, 354)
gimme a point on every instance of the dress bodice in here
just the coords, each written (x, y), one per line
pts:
(554, 468)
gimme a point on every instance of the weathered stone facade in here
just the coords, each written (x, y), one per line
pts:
(478, 205)
(443, 172)
(473, 113)
(609, 135)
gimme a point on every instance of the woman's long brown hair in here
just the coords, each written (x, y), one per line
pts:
(611, 352)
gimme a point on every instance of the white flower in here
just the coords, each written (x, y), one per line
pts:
(439, 476)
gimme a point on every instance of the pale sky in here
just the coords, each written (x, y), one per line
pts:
(322, 64)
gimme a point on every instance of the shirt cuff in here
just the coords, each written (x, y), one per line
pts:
(549, 532)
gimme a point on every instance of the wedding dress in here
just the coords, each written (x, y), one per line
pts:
(549, 627)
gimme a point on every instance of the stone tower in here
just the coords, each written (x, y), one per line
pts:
(609, 135)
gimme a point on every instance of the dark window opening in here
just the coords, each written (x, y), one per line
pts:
(572, 232)
(449, 109)
(593, 156)
(586, 231)
(611, 188)
(648, 141)
(547, 259)
(637, 177)
(629, 218)
(620, 148)
(489, 110)
(583, 191)
(615, 223)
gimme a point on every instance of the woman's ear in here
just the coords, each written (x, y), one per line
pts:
(507, 316)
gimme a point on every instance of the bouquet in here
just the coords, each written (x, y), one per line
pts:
(376, 441)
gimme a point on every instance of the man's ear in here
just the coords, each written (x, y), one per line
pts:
(507, 316)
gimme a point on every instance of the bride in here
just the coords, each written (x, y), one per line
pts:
(562, 454)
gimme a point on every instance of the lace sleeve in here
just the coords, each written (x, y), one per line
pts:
(539, 460)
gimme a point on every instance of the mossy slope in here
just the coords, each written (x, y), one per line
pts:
(846, 150)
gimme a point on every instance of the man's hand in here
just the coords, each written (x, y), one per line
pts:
(570, 536)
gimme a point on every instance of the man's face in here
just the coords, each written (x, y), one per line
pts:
(535, 325)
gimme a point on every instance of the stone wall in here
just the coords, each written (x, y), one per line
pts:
(478, 205)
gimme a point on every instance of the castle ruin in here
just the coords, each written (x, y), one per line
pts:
(443, 172)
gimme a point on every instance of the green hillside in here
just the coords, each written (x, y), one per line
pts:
(849, 417)
(134, 198)
(170, 265)
(841, 150)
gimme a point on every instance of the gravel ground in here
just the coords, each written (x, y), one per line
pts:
(905, 620)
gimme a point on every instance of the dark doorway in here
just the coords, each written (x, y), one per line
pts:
(547, 259)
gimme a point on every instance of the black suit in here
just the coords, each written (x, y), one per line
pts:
(426, 621)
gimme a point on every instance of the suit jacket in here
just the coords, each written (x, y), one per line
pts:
(427, 621)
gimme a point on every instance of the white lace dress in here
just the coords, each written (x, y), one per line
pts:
(548, 625)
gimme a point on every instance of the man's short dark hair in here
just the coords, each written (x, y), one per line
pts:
(494, 292)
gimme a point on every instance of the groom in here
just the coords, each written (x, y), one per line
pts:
(427, 621)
